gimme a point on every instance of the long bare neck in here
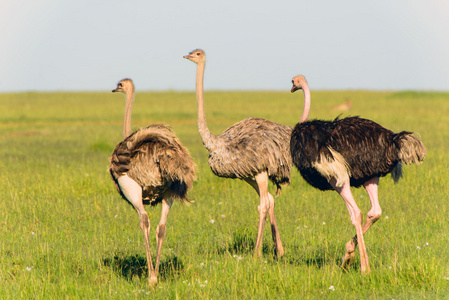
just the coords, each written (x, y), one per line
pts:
(206, 136)
(305, 112)
(127, 117)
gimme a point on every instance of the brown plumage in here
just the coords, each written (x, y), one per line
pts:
(254, 149)
(350, 152)
(155, 158)
(250, 147)
(150, 166)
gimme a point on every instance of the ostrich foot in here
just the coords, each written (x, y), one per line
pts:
(279, 252)
(152, 280)
(365, 270)
(349, 257)
(347, 260)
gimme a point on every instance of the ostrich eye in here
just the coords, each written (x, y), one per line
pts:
(120, 84)
(198, 53)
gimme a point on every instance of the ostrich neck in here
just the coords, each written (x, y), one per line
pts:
(206, 136)
(305, 112)
(127, 117)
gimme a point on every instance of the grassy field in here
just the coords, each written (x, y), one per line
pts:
(66, 233)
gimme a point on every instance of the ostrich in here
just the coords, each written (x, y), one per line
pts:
(254, 149)
(350, 152)
(344, 106)
(148, 167)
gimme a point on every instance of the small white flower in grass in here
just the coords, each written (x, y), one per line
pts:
(116, 216)
(324, 223)
(33, 233)
(28, 269)
(212, 221)
(332, 288)
(418, 247)
(426, 244)
(202, 264)
(386, 217)
(238, 257)
(220, 203)
(447, 278)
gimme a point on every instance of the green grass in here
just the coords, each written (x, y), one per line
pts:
(66, 233)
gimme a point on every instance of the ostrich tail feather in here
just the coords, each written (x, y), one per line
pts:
(412, 150)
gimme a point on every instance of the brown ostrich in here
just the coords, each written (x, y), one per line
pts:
(344, 106)
(350, 152)
(148, 167)
(254, 149)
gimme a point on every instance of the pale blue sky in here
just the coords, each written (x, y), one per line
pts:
(250, 45)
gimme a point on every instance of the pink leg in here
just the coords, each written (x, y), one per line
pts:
(260, 184)
(274, 229)
(356, 219)
(372, 216)
(375, 211)
(161, 232)
(133, 192)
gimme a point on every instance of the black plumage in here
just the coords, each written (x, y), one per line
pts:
(349, 152)
(369, 149)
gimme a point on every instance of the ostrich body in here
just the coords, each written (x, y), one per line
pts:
(148, 167)
(350, 152)
(254, 149)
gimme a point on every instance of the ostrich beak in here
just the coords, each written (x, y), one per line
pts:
(295, 88)
(186, 56)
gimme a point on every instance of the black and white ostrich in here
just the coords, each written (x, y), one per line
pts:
(350, 152)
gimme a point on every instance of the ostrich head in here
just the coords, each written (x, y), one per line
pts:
(124, 86)
(197, 56)
(298, 83)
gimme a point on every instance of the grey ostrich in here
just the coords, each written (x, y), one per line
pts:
(254, 149)
(335, 155)
(148, 167)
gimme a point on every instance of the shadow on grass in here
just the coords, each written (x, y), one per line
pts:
(243, 242)
(318, 258)
(317, 261)
(132, 266)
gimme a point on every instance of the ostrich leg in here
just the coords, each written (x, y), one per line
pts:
(260, 184)
(372, 216)
(133, 192)
(356, 219)
(161, 232)
(274, 229)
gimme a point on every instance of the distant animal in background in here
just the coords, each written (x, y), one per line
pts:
(254, 149)
(344, 106)
(150, 166)
(350, 152)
